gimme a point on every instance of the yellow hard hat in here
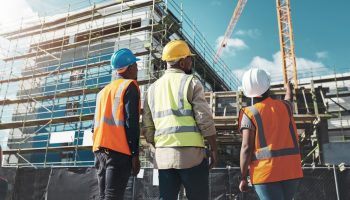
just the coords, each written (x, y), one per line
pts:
(176, 49)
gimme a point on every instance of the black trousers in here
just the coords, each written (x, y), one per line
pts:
(195, 180)
(113, 172)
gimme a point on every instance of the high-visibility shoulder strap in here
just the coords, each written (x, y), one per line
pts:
(113, 120)
(180, 111)
(291, 127)
(259, 124)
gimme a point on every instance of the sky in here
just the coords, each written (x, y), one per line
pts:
(321, 31)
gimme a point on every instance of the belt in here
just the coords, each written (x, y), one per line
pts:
(103, 150)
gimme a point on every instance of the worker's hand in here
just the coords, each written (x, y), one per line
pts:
(135, 165)
(289, 91)
(243, 185)
(213, 158)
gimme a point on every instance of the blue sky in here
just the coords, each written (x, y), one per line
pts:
(321, 31)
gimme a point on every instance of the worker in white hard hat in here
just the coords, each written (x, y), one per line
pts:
(270, 146)
(176, 118)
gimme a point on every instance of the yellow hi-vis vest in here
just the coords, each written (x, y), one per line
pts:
(172, 114)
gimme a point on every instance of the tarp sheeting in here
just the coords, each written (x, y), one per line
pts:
(80, 183)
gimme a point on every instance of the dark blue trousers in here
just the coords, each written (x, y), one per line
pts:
(283, 190)
(113, 172)
(195, 180)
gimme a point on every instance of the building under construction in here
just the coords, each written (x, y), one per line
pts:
(55, 66)
(50, 88)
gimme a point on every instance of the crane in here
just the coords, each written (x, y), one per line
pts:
(285, 34)
(289, 67)
(235, 17)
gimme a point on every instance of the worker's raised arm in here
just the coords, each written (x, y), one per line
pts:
(289, 92)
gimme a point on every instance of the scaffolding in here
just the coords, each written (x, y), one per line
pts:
(225, 108)
(55, 66)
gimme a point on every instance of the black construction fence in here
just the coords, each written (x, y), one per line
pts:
(80, 183)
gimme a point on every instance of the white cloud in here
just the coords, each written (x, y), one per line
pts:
(14, 10)
(11, 14)
(322, 54)
(305, 67)
(232, 45)
(253, 33)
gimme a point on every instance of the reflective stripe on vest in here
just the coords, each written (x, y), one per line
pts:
(178, 129)
(175, 124)
(113, 121)
(265, 151)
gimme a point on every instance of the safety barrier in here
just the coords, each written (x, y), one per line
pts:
(319, 183)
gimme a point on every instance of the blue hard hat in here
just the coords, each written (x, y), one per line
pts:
(122, 58)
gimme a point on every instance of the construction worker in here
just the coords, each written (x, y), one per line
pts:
(269, 140)
(176, 117)
(116, 129)
(3, 181)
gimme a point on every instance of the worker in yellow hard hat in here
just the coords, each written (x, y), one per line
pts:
(176, 118)
(269, 140)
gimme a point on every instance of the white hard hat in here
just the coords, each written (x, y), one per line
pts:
(255, 82)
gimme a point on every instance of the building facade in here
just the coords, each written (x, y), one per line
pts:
(55, 67)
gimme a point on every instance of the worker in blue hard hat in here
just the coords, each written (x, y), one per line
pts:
(116, 129)
(124, 62)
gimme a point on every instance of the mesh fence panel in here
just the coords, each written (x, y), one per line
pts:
(234, 193)
(218, 184)
(144, 188)
(65, 183)
(344, 183)
(317, 184)
(81, 183)
(31, 184)
(9, 174)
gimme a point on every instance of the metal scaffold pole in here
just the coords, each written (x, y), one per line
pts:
(56, 86)
(336, 182)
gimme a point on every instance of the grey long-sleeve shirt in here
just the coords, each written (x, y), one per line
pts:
(182, 157)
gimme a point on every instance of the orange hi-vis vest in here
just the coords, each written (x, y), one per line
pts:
(109, 130)
(276, 154)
